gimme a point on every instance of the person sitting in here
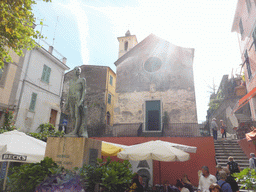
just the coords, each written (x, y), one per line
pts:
(181, 187)
(225, 186)
(186, 182)
(136, 185)
(219, 168)
(215, 188)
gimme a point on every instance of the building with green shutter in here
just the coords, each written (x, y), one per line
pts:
(39, 90)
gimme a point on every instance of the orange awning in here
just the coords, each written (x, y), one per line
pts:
(251, 136)
(246, 98)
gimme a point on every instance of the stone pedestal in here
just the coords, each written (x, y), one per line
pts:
(71, 152)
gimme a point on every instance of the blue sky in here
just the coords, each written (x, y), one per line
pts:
(86, 32)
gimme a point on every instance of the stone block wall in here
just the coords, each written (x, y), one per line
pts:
(180, 106)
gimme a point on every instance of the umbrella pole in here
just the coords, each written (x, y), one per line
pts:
(6, 174)
(159, 173)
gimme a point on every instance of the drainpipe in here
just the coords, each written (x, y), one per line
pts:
(23, 84)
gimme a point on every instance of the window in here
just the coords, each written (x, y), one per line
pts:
(46, 74)
(109, 98)
(33, 102)
(108, 118)
(254, 37)
(241, 27)
(3, 74)
(126, 45)
(111, 80)
(248, 66)
(248, 4)
(152, 64)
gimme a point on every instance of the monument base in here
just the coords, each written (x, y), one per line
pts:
(71, 152)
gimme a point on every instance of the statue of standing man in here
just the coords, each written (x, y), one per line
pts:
(75, 104)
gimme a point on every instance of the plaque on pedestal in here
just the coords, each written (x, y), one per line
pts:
(71, 152)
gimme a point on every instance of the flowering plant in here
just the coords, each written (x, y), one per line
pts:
(8, 121)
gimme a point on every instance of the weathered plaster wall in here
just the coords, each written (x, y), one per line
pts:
(179, 104)
(155, 70)
(175, 70)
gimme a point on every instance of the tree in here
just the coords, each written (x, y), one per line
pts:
(16, 28)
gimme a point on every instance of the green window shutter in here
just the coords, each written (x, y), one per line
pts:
(44, 73)
(111, 80)
(109, 98)
(47, 78)
(33, 102)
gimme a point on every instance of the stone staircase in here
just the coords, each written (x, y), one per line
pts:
(230, 147)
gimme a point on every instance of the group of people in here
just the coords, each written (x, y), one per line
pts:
(222, 181)
(223, 128)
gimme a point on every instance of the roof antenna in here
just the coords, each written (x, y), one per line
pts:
(55, 30)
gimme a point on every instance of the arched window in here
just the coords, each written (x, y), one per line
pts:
(126, 45)
(108, 118)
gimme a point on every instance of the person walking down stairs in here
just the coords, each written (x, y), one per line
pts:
(223, 129)
(214, 128)
(233, 166)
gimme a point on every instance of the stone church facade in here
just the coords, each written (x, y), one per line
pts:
(155, 93)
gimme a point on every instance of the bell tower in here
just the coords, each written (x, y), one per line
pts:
(126, 43)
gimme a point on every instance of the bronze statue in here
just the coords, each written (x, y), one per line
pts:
(75, 104)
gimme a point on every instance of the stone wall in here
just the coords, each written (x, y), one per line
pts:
(180, 106)
(95, 97)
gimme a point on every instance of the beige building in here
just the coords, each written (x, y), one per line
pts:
(9, 79)
(155, 89)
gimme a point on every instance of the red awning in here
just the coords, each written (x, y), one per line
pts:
(245, 99)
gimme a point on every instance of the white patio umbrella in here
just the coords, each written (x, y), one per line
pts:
(16, 146)
(157, 150)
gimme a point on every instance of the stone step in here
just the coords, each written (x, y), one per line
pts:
(244, 164)
(230, 153)
(237, 159)
(226, 141)
(227, 147)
